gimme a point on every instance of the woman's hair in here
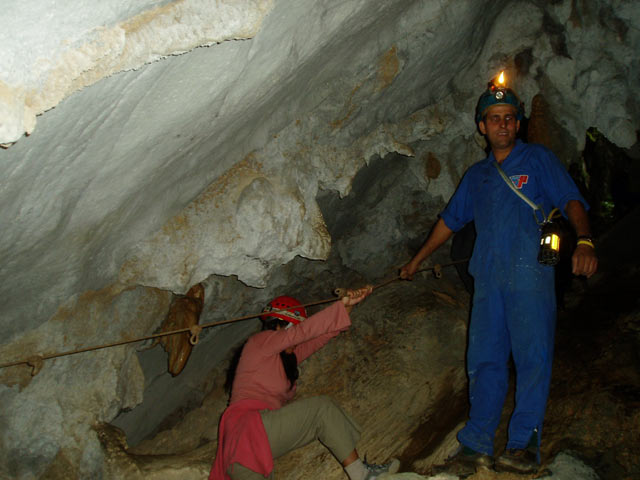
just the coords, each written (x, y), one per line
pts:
(233, 366)
(289, 360)
(272, 323)
(290, 364)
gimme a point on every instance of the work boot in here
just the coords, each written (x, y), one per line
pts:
(380, 471)
(464, 462)
(517, 461)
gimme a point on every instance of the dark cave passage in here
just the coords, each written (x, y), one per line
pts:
(594, 404)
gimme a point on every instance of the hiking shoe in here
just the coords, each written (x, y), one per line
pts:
(380, 471)
(517, 461)
(464, 462)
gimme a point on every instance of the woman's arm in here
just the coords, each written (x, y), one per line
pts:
(352, 298)
(331, 319)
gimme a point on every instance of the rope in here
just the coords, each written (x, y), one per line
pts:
(36, 361)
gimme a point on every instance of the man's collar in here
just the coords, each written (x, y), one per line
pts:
(491, 157)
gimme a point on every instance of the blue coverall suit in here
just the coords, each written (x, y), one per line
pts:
(514, 305)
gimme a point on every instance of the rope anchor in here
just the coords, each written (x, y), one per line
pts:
(195, 331)
(35, 362)
(437, 270)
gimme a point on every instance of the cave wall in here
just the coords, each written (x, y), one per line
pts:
(227, 162)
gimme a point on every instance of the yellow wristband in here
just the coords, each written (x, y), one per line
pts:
(586, 242)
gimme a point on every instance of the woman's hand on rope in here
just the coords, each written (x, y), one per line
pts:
(353, 297)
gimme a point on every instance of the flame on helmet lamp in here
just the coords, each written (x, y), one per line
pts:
(498, 86)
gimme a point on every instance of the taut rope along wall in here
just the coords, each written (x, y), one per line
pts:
(36, 361)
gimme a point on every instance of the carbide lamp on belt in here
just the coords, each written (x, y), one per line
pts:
(549, 253)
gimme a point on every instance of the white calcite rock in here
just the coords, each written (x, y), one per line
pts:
(52, 414)
(263, 211)
(50, 50)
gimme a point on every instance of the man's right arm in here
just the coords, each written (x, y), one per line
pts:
(439, 235)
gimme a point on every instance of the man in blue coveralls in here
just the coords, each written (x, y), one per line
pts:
(514, 305)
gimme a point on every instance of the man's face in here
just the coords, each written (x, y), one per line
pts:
(500, 125)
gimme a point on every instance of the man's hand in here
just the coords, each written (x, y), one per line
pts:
(408, 271)
(584, 261)
(439, 234)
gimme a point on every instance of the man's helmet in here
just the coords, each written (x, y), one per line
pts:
(285, 308)
(498, 94)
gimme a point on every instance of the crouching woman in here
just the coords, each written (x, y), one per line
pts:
(262, 422)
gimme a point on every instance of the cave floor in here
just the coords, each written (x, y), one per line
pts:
(594, 404)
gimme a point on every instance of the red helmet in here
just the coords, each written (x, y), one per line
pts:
(285, 308)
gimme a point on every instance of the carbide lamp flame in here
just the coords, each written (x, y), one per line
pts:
(499, 89)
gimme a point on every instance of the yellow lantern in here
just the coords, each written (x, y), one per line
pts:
(549, 253)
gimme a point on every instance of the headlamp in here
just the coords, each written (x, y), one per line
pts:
(500, 89)
(497, 93)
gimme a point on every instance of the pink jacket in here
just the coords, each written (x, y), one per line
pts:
(260, 384)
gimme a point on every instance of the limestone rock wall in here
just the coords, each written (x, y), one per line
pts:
(327, 95)
(237, 159)
(48, 420)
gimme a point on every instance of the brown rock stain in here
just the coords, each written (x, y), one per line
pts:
(145, 18)
(388, 68)
(574, 16)
(247, 168)
(537, 130)
(432, 166)
(61, 468)
(448, 299)
(350, 107)
(178, 228)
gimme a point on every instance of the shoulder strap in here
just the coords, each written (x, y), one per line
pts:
(536, 208)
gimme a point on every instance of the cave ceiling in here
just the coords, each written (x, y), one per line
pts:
(148, 148)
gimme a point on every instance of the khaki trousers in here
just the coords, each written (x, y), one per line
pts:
(300, 423)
